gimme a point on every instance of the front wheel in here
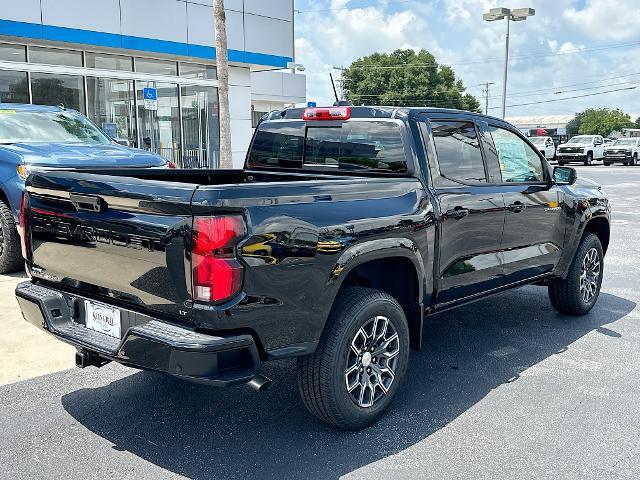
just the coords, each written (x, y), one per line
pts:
(607, 164)
(579, 292)
(589, 159)
(635, 159)
(10, 252)
(360, 362)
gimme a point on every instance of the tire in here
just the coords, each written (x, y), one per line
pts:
(635, 159)
(607, 164)
(10, 251)
(589, 159)
(323, 376)
(561, 163)
(566, 294)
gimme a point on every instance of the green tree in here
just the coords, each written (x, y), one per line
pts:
(637, 122)
(405, 78)
(603, 121)
(573, 127)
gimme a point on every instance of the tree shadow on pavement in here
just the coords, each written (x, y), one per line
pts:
(201, 432)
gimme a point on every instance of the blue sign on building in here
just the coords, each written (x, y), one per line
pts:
(150, 93)
(312, 104)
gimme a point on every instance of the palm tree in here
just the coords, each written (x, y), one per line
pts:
(222, 62)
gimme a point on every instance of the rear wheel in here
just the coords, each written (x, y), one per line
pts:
(10, 253)
(360, 362)
(578, 293)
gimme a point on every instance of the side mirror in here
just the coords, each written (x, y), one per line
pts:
(122, 141)
(564, 175)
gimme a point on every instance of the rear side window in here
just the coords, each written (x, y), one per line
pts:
(458, 151)
(354, 145)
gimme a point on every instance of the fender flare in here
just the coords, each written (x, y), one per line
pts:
(374, 250)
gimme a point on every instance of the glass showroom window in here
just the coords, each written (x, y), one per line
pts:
(156, 67)
(55, 56)
(13, 53)
(160, 129)
(105, 61)
(14, 87)
(111, 107)
(196, 70)
(201, 127)
(54, 89)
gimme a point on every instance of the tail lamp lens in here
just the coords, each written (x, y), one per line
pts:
(217, 274)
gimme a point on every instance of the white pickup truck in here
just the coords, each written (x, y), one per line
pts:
(581, 148)
(623, 150)
(545, 146)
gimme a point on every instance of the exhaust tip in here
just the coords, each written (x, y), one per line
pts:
(260, 383)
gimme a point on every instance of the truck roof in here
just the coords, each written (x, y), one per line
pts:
(379, 112)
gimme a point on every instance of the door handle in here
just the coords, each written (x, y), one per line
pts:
(517, 207)
(88, 203)
(457, 213)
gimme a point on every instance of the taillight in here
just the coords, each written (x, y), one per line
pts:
(23, 227)
(327, 113)
(171, 165)
(217, 274)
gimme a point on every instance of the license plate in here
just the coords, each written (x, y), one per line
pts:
(102, 318)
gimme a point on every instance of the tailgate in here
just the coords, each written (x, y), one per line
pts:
(118, 238)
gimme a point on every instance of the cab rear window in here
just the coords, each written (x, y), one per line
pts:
(355, 145)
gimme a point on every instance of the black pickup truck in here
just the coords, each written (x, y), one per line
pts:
(345, 228)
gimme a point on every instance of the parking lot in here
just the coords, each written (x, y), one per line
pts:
(503, 388)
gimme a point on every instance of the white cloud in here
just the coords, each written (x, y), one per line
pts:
(547, 51)
(606, 19)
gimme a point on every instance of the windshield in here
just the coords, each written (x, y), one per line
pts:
(626, 141)
(581, 139)
(48, 127)
(537, 140)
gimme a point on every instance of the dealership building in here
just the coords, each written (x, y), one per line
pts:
(101, 57)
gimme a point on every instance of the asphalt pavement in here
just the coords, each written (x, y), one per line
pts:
(504, 388)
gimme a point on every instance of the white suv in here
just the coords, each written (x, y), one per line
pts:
(545, 146)
(582, 148)
(623, 150)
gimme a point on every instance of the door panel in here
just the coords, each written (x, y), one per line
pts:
(533, 231)
(469, 241)
(533, 228)
(471, 210)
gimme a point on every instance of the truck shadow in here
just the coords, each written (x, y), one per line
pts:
(204, 433)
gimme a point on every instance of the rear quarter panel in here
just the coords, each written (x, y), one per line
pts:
(304, 238)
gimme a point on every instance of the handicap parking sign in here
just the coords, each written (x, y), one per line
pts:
(150, 96)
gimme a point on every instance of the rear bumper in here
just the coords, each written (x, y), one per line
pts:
(150, 344)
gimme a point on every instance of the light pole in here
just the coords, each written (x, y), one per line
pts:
(515, 15)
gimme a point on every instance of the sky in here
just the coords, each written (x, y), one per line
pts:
(569, 48)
